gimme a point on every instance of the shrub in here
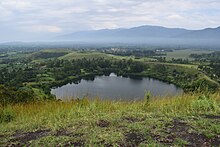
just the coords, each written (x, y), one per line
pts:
(204, 104)
(13, 95)
(7, 115)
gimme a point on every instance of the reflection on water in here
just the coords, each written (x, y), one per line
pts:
(113, 87)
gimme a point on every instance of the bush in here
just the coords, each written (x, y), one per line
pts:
(13, 95)
(203, 85)
(7, 115)
(204, 104)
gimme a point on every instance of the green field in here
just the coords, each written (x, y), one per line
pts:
(184, 54)
(87, 55)
(3, 65)
(94, 55)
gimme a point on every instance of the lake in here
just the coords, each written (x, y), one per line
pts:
(116, 88)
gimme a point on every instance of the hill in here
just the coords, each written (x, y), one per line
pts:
(150, 35)
(208, 33)
(144, 32)
(136, 32)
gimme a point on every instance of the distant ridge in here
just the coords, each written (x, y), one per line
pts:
(208, 33)
(143, 32)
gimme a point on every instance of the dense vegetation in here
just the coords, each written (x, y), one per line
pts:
(214, 56)
(210, 64)
(212, 69)
(13, 96)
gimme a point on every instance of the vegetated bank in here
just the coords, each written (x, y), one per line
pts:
(188, 120)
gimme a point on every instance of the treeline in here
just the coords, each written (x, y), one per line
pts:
(65, 68)
(214, 57)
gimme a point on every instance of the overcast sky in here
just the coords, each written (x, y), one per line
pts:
(39, 19)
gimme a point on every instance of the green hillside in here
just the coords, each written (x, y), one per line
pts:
(191, 119)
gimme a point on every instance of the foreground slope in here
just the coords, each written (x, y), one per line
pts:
(191, 119)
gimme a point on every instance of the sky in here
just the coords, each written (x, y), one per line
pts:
(43, 19)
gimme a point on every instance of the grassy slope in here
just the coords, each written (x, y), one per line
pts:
(94, 55)
(89, 55)
(192, 66)
(184, 54)
(187, 119)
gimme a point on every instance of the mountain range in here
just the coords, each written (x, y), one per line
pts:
(151, 36)
(143, 32)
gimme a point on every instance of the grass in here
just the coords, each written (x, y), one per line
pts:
(191, 119)
(87, 55)
(94, 55)
(3, 65)
(184, 54)
(188, 66)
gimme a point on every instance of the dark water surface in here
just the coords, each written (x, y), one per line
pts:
(113, 87)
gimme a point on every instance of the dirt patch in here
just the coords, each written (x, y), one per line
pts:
(179, 126)
(63, 132)
(212, 116)
(23, 138)
(180, 129)
(131, 119)
(168, 140)
(104, 144)
(79, 143)
(103, 123)
(216, 141)
(2, 136)
(133, 138)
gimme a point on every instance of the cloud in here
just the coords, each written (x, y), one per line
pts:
(65, 16)
(175, 17)
(43, 28)
(15, 5)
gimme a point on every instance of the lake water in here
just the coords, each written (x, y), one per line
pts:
(116, 88)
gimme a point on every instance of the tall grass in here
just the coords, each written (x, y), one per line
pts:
(58, 114)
